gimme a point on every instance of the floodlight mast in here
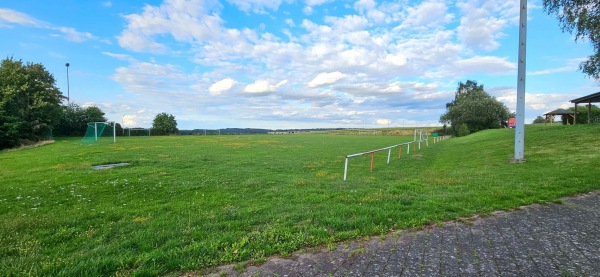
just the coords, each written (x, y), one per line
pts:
(68, 88)
(520, 120)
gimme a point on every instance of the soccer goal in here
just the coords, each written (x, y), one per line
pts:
(95, 130)
(138, 131)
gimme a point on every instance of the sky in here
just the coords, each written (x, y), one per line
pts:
(280, 64)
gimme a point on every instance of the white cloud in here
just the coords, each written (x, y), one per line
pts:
(151, 80)
(326, 79)
(364, 5)
(186, 21)
(107, 4)
(290, 22)
(129, 120)
(474, 65)
(9, 17)
(393, 88)
(397, 60)
(429, 13)
(256, 6)
(485, 64)
(122, 57)
(572, 65)
(71, 34)
(553, 70)
(261, 87)
(481, 33)
(483, 21)
(369, 8)
(221, 86)
(313, 3)
(348, 22)
(381, 121)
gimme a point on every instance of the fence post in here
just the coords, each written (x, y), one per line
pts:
(389, 154)
(399, 151)
(346, 169)
(372, 160)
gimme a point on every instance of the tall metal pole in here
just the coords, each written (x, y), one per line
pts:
(520, 124)
(68, 88)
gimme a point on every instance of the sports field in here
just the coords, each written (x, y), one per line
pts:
(185, 204)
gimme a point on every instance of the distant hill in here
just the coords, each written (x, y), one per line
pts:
(248, 131)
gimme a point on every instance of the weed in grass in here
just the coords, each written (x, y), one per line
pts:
(356, 252)
(259, 261)
(240, 267)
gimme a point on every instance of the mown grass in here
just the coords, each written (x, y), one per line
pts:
(189, 203)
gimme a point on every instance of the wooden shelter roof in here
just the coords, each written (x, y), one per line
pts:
(559, 112)
(592, 98)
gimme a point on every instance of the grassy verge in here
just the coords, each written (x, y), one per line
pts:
(188, 203)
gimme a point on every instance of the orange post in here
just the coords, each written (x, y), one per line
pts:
(399, 151)
(372, 160)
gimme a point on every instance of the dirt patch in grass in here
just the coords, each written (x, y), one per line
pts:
(29, 145)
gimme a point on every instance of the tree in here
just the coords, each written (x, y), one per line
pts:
(581, 17)
(475, 108)
(164, 124)
(74, 119)
(582, 115)
(29, 102)
(539, 119)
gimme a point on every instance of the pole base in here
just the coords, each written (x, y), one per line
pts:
(517, 161)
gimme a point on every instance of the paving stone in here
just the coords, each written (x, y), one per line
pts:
(483, 252)
(432, 254)
(467, 265)
(397, 259)
(448, 251)
(415, 254)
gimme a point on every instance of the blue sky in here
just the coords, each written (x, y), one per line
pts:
(291, 63)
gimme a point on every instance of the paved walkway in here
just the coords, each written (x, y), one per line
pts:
(538, 240)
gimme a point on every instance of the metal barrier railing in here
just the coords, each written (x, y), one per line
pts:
(415, 144)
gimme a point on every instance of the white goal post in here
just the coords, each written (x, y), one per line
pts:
(92, 132)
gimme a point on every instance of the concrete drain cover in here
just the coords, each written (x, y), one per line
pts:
(107, 166)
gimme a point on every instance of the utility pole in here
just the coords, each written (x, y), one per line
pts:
(520, 124)
(68, 88)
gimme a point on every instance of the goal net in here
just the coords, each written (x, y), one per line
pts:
(96, 130)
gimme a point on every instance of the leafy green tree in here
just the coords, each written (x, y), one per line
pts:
(475, 108)
(582, 115)
(74, 119)
(581, 17)
(164, 124)
(539, 119)
(29, 102)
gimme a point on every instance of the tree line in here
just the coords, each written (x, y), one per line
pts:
(32, 109)
(31, 106)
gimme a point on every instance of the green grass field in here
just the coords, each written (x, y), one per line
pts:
(189, 203)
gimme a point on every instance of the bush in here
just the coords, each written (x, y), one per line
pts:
(463, 130)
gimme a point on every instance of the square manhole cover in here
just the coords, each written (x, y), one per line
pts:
(107, 166)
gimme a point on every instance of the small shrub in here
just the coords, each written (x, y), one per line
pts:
(463, 130)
